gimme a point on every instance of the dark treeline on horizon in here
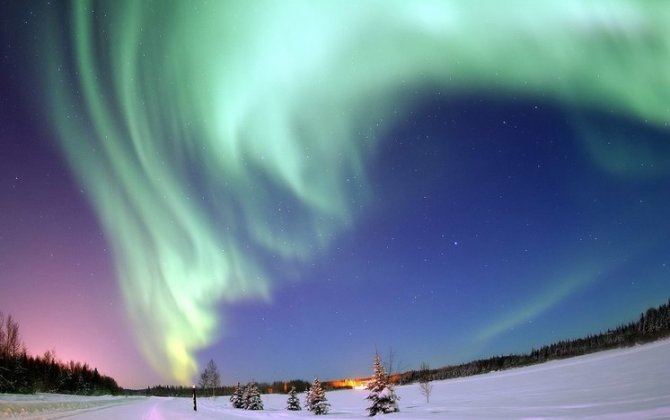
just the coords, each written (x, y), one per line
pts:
(654, 324)
(24, 374)
(282, 387)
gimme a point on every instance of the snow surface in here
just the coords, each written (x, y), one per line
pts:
(626, 383)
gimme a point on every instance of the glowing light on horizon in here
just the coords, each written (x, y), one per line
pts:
(213, 136)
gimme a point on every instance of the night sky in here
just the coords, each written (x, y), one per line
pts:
(288, 187)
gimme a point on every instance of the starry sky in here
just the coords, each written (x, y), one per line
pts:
(288, 187)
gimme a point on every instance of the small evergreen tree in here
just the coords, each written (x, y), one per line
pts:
(316, 399)
(383, 397)
(308, 397)
(252, 397)
(236, 399)
(293, 403)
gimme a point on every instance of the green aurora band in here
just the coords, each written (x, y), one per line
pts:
(210, 134)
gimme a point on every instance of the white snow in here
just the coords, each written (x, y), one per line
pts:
(625, 383)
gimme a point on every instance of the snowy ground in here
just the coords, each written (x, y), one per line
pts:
(628, 383)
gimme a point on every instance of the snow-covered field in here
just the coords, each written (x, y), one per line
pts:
(627, 383)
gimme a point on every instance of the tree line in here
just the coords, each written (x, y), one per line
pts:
(652, 325)
(275, 387)
(24, 374)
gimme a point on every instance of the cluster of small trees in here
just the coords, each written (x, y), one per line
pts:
(383, 398)
(247, 397)
(382, 394)
(21, 373)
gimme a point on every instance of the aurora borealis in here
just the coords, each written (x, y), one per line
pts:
(260, 170)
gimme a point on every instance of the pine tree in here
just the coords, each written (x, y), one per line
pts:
(236, 399)
(252, 397)
(293, 403)
(383, 397)
(308, 398)
(316, 399)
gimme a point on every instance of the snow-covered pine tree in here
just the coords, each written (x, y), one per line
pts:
(383, 397)
(293, 403)
(236, 399)
(307, 398)
(316, 399)
(252, 400)
(245, 395)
